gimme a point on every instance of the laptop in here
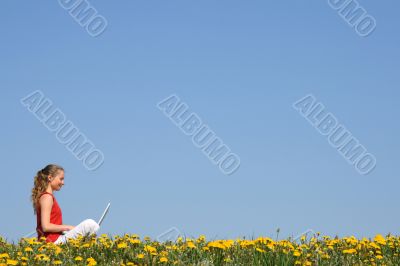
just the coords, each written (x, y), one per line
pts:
(101, 218)
(104, 214)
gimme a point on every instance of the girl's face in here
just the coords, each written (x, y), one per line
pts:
(57, 181)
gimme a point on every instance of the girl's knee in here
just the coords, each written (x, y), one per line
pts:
(92, 225)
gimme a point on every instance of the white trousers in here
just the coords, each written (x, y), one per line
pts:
(85, 228)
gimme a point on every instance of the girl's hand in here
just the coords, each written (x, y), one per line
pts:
(69, 227)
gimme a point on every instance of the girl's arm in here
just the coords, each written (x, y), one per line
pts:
(46, 203)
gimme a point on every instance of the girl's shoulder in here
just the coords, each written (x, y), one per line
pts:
(44, 193)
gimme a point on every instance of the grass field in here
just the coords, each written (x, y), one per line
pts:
(133, 250)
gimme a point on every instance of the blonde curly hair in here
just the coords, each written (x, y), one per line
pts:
(41, 183)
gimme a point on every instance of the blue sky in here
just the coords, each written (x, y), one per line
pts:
(239, 66)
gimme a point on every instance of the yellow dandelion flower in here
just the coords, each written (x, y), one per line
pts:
(190, 245)
(134, 241)
(122, 245)
(260, 250)
(372, 244)
(216, 244)
(90, 261)
(57, 250)
(380, 239)
(228, 243)
(325, 256)
(42, 257)
(349, 251)
(150, 249)
(140, 256)
(12, 262)
(163, 259)
(79, 258)
(4, 256)
(201, 238)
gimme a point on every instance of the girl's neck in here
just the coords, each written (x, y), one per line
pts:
(49, 190)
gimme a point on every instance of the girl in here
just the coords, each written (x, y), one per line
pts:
(48, 212)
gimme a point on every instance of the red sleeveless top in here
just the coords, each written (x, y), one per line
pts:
(55, 218)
